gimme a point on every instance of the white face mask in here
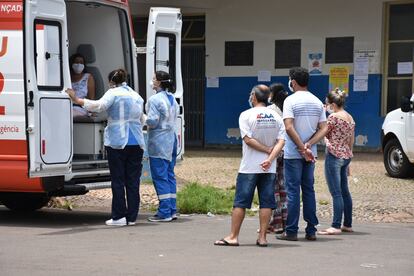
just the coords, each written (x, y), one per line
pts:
(250, 101)
(290, 85)
(151, 84)
(78, 67)
(329, 109)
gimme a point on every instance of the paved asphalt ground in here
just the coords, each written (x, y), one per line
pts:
(60, 242)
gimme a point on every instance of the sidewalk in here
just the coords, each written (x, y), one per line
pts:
(64, 243)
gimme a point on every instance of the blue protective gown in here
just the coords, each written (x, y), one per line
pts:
(162, 111)
(125, 109)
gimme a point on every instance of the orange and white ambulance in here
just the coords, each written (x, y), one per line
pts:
(43, 151)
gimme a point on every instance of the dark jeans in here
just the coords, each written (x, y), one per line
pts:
(125, 166)
(299, 174)
(247, 183)
(337, 179)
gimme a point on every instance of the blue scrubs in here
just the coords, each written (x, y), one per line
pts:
(162, 150)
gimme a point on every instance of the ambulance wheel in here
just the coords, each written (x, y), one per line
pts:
(24, 201)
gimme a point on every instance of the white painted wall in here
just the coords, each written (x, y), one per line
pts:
(265, 21)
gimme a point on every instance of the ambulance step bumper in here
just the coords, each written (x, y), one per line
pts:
(90, 173)
(96, 185)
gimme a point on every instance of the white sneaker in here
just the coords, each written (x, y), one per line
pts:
(117, 222)
(131, 222)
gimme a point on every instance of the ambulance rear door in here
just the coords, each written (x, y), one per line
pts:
(164, 54)
(46, 71)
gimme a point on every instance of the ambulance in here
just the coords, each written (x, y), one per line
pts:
(44, 152)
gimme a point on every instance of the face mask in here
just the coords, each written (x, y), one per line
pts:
(290, 85)
(151, 84)
(250, 101)
(269, 101)
(78, 67)
(329, 109)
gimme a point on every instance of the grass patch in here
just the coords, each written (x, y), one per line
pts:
(201, 199)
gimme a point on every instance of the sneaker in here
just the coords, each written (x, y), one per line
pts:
(174, 217)
(310, 237)
(131, 222)
(159, 219)
(286, 237)
(116, 222)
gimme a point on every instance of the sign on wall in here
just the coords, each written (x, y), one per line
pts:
(339, 78)
(361, 71)
(315, 63)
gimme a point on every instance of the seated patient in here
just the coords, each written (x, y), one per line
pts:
(82, 82)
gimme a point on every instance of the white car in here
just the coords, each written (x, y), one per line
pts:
(398, 140)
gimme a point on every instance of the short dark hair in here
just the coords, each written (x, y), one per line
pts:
(337, 97)
(300, 75)
(262, 93)
(118, 76)
(167, 83)
(279, 94)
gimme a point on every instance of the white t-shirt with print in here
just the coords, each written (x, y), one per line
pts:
(307, 111)
(265, 126)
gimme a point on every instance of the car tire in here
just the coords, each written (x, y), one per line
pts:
(395, 161)
(24, 201)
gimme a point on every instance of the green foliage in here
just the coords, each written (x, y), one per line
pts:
(201, 199)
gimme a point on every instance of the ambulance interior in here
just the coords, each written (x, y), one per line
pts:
(101, 34)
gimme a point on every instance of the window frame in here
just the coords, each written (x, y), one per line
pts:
(59, 26)
(289, 65)
(330, 60)
(172, 62)
(385, 57)
(227, 61)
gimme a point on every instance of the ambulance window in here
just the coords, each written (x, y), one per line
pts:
(165, 52)
(48, 55)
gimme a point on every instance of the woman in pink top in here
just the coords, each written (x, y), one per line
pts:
(339, 141)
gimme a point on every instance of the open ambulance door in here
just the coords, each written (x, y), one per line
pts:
(46, 72)
(164, 54)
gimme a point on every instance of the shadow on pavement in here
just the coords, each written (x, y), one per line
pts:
(81, 221)
(271, 245)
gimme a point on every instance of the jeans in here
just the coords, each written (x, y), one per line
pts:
(162, 172)
(125, 166)
(247, 183)
(299, 174)
(337, 179)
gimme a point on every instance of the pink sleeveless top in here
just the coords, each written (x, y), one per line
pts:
(337, 139)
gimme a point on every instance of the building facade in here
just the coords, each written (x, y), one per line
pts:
(250, 42)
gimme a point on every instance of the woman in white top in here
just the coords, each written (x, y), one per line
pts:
(82, 83)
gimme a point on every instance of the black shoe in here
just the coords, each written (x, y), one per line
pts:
(286, 237)
(310, 237)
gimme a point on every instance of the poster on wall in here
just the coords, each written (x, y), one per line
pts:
(213, 82)
(373, 59)
(264, 76)
(361, 71)
(339, 78)
(404, 68)
(315, 63)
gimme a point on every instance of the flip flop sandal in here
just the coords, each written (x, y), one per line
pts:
(261, 244)
(347, 230)
(223, 242)
(329, 232)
